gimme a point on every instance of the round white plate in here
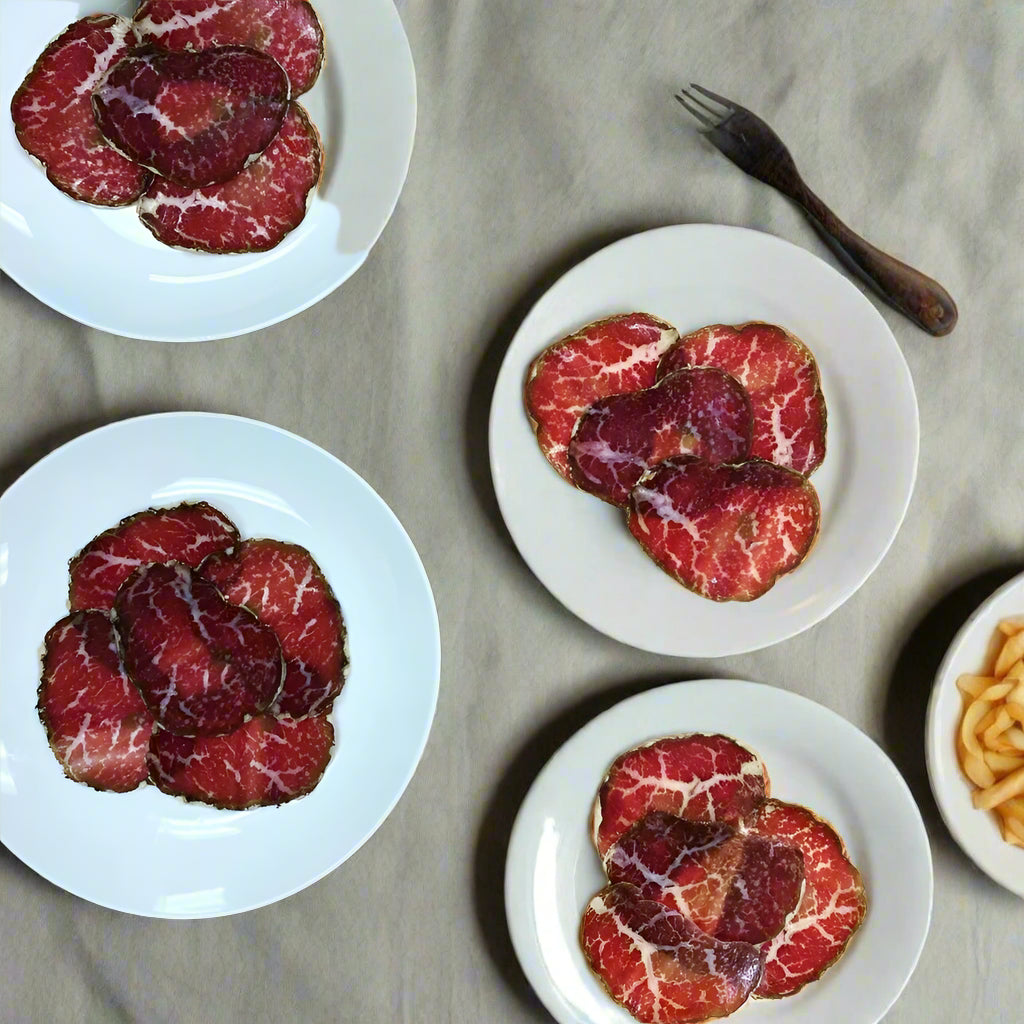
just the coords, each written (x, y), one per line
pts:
(104, 269)
(976, 831)
(692, 275)
(148, 853)
(814, 758)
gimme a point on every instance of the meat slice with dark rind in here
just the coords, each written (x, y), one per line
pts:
(700, 411)
(725, 532)
(830, 911)
(737, 887)
(607, 357)
(197, 119)
(202, 665)
(267, 761)
(187, 533)
(285, 587)
(661, 967)
(95, 719)
(702, 777)
(53, 118)
(252, 212)
(288, 30)
(780, 375)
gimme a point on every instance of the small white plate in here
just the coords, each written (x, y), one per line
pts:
(976, 831)
(814, 758)
(693, 275)
(148, 853)
(104, 269)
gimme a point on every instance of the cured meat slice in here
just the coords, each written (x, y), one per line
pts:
(701, 777)
(725, 532)
(268, 761)
(661, 967)
(736, 887)
(832, 906)
(97, 723)
(608, 357)
(195, 118)
(781, 377)
(254, 210)
(203, 666)
(700, 411)
(284, 586)
(53, 119)
(186, 533)
(286, 29)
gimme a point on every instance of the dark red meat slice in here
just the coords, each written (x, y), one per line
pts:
(187, 533)
(609, 357)
(195, 118)
(284, 586)
(700, 411)
(53, 119)
(734, 886)
(203, 666)
(254, 210)
(725, 532)
(831, 909)
(97, 723)
(701, 777)
(781, 377)
(658, 965)
(286, 29)
(268, 761)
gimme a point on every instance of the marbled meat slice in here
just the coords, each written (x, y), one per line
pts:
(53, 119)
(203, 665)
(734, 886)
(830, 911)
(703, 777)
(781, 377)
(700, 411)
(288, 30)
(254, 210)
(195, 118)
(284, 586)
(661, 967)
(725, 532)
(268, 761)
(608, 357)
(187, 533)
(96, 721)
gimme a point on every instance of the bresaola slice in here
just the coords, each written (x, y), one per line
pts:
(254, 210)
(608, 357)
(286, 29)
(725, 532)
(661, 967)
(203, 666)
(699, 411)
(267, 761)
(197, 119)
(53, 117)
(97, 723)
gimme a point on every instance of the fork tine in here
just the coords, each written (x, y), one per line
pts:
(700, 115)
(728, 104)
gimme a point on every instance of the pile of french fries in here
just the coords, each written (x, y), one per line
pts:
(991, 738)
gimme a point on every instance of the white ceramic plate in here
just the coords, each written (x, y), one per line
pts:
(148, 853)
(104, 269)
(813, 757)
(693, 275)
(976, 831)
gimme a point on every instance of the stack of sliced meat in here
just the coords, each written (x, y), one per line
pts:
(206, 664)
(187, 111)
(716, 892)
(706, 441)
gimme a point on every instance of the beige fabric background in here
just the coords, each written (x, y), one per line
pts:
(546, 130)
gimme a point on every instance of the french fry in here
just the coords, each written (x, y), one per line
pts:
(1013, 650)
(1015, 710)
(997, 691)
(1002, 764)
(1015, 737)
(1016, 670)
(1008, 834)
(1016, 827)
(1016, 695)
(975, 712)
(991, 736)
(978, 772)
(986, 720)
(1008, 786)
(1012, 808)
(1012, 625)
